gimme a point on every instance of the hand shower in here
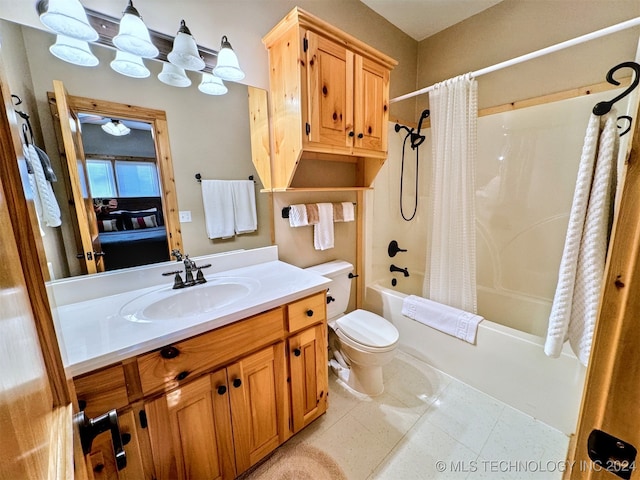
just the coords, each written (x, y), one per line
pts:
(416, 138)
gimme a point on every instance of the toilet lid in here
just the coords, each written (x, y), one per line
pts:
(368, 329)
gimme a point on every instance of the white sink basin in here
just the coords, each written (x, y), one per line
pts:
(168, 304)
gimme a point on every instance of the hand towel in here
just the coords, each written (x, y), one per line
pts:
(575, 304)
(323, 231)
(217, 199)
(338, 214)
(450, 320)
(298, 216)
(312, 213)
(244, 206)
(49, 208)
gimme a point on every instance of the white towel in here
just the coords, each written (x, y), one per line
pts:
(298, 216)
(450, 320)
(244, 206)
(348, 211)
(575, 304)
(48, 210)
(217, 199)
(323, 231)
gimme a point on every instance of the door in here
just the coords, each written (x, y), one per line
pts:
(330, 92)
(190, 431)
(611, 400)
(309, 382)
(371, 109)
(256, 386)
(35, 403)
(87, 238)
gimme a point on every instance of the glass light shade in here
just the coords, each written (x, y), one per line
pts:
(67, 17)
(133, 36)
(73, 51)
(116, 128)
(129, 65)
(227, 67)
(212, 85)
(174, 76)
(185, 50)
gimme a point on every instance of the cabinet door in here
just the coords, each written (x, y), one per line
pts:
(371, 109)
(257, 385)
(190, 431)
(309, 376)
(330, 92)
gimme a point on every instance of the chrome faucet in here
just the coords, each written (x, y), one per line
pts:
(404, 271)
(189, 267)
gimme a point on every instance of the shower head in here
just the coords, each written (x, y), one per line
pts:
(416, 138)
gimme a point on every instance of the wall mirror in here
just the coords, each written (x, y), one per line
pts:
(206, 135)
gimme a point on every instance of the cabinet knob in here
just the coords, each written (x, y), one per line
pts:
(237, 382)
(309, 313)
(360, 135)
(98, 468)
(182, 375)
(169, 352)
(222, 389)
(297, 352)
(351, 134)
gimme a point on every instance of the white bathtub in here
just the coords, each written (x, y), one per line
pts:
(505, 363)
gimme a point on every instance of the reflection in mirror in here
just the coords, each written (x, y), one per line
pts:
(208, 135)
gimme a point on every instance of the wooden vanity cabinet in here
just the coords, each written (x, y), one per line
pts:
(329, 101)
(213, 405)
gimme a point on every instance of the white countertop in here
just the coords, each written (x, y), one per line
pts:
(93, 334)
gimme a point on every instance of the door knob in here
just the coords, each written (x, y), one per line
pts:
(90, 428)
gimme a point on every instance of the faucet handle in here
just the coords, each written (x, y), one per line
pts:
(177, 280)
(167, 274)
(200, 276)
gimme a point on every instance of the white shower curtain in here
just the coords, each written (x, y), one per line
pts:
(451, 259)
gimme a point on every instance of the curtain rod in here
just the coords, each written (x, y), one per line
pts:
(634, 22)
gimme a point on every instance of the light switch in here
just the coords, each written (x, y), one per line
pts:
(185, 216)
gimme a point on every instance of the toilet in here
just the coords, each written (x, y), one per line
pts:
(360, 342)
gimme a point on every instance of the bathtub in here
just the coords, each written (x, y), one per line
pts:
(505, 363)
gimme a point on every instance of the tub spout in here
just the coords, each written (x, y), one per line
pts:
(404, 271)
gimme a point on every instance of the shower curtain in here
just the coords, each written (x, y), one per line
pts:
(451, 259)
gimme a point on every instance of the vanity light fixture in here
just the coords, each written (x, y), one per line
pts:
(116, 128)
(185, 50)
(129, 65)
(227, 67)
(68, 17)
(73, 51)
(133, 36)
(212, 85)
(174, 76)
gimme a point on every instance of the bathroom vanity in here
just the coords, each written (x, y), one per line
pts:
(214, 394)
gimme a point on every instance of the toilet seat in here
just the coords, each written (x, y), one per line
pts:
(367, 331)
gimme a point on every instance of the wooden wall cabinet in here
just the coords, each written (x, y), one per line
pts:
(213, 405)
(329, 102)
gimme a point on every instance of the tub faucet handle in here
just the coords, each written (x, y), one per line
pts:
(394, 248)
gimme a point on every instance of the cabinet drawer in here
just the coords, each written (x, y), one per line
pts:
(102, 391)
(165, 368)
(307, 311)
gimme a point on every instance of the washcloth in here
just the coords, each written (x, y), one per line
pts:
(450, 320)
(343, 212)
(323, 231)
(217, 198)
(298, 216)
(244, 206)
(575, 304)
(49, 174)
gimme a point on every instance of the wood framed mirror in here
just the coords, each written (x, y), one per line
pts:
(125, 223)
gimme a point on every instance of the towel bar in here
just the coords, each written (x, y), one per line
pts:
(285, 211)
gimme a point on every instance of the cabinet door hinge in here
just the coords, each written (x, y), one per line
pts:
(305, 44)
(307, 127)
(143, 419)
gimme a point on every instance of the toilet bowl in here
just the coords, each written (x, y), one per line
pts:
(360, 342)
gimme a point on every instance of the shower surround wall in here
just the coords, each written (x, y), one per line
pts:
(525, 177)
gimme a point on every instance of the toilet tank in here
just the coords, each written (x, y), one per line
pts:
(340, 288)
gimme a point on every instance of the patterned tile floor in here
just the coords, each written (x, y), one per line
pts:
(427, 425)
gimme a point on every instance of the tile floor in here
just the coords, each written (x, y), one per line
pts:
(427, 425)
